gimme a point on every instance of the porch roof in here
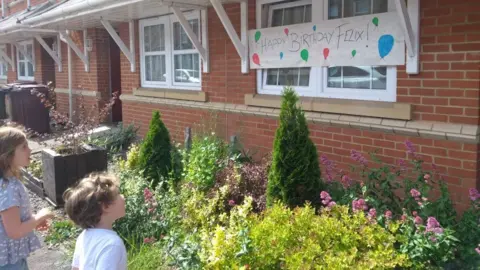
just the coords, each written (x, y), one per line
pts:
(12, 30)
(83, 14)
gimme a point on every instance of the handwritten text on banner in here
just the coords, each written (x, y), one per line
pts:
(372, 40)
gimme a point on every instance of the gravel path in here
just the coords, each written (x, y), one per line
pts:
(46, 258)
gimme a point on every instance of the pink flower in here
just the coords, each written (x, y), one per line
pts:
(403, 164)
(415, 193)
(403, 217)
(388, 214)
(358, 157)
(326, 199)
(324, 195)
(474, 194)
(426, 176)
(329, 167)
(359, 205)
(147, 194)
(433, 226)
(418, 220)
(414, 213)
(372, 214)
(331, 204)
(149, 240)
(477, 250)
(231, 203)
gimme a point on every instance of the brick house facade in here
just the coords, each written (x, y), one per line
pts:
(443, 99)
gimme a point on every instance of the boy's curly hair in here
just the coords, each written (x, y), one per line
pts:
(84, 201)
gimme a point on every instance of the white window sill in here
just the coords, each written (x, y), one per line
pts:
(184, 94)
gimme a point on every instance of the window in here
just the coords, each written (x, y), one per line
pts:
(25, 62)
(3, 66)
(361, 82)
(168, 57)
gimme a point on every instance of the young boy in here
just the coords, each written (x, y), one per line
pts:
(94, 204)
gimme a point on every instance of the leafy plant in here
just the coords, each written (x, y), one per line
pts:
(35, 168)
(117, 139)
(294, 177)
(155, 152)
(61, 231)
(206, 158)
(75, 129)
(468, 231)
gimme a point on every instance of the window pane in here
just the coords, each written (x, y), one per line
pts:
(334, 9)
(154, 38)
(180, 39)
(379, 78)
(20, 55)
(290, 76)
(30, 69)
(30, 50)
(357, 77)
(335, 77)
(155, 68)
(187, 68)
(21, 67)
(380, 6)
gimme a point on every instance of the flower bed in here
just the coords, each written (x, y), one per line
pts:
(214, 211)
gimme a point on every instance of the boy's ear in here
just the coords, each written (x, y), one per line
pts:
(105, 208)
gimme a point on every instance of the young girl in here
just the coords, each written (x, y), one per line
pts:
(17, 223)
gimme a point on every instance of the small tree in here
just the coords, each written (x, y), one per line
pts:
(155, 152)
(294, 176)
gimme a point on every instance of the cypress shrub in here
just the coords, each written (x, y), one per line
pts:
(155, 152)
(294, 176)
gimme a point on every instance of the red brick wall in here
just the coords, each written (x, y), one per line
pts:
(457, 162)
(447, 89)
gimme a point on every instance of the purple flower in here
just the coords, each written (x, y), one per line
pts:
(372, 214)
(388, 214)
(403, 164)
(329, 167)
(346, 181)
(415, 193)
(474, 194)
(410, 148)
(418, 220)
(433, 226)
(358, 157)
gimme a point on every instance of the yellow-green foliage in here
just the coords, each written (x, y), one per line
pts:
(221, 248)
(335, 239)
(282, 238)
(131, 163)
(200, 211)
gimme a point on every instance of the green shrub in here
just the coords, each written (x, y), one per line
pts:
(117, 139)
(146, 257)
(155, 152)
(207, 157)
(294, 176)
(282, 238)
(61, 231)
(468, 232)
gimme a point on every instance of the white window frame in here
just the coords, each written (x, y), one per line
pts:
(24, 45)
(319, 75)
(3, 73)
(168, 21)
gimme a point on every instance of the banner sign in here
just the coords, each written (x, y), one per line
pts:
(371, 40)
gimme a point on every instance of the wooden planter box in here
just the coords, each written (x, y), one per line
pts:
(62, 171)
(32, 183)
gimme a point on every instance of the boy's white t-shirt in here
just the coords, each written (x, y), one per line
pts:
(99, 249)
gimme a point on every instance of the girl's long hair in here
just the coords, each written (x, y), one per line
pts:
(10, 139)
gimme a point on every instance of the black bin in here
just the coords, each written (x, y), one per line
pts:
(27, 109)
(5, 102)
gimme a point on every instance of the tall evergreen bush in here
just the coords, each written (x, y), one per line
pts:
(294, 176)
(155, 152)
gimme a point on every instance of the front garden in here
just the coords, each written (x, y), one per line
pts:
(205, 205)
